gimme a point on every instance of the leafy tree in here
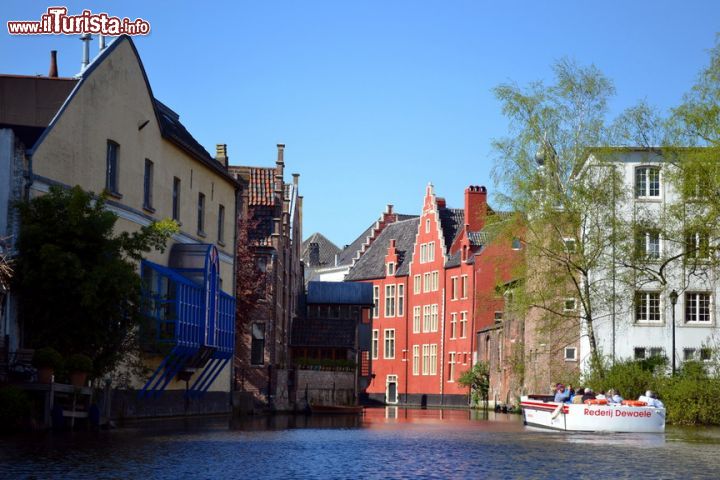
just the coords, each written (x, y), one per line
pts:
(478, 380)
(558, 181)
(77, 280)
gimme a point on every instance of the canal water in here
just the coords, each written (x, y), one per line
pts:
(383, 443)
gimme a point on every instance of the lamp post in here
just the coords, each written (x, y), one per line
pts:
(673, 300)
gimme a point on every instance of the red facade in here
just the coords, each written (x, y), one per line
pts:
(435, 284)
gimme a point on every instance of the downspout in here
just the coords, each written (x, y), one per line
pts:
(29, 176)
(442, 342)
(407, 336)
(473, 335)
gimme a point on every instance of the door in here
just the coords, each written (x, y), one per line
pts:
(391, 389)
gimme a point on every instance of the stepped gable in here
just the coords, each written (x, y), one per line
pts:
(372, 263)
(327, 250)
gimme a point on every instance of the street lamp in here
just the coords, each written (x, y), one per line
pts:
(673, 300)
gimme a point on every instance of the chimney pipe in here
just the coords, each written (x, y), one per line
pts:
(101, 42)
(281, 154)
(85, 38)
(53, 73)
(221, 154)
(314, 254)
(296, 178)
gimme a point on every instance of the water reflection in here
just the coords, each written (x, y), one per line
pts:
(390, 442)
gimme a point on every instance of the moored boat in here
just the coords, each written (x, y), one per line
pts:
(541, 411)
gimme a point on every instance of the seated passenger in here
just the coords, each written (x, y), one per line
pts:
(614, 396)
(656, 403)
(601, 395)
(562, 393)
(647, 398)
(589, 395)
(578, 398)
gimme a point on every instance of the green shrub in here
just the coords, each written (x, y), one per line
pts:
(79, 363)
(47, 357)
(14, 408)
(631, 378)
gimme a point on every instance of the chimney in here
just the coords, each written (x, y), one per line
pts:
(475, 207)
(53, 73)
(314, 254)
(221, 154)
(101, 43)
(296, 179)
(280, 155)
(441, 203)
(85, 38)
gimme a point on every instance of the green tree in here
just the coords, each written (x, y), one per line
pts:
(478, 380)
(559, 180)
(77, 280)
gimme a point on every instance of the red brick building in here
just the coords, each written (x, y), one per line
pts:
(434, 286)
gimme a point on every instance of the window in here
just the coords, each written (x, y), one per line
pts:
(416, 360)
(464, 286)
(148, 186)
(400, 300)
(463, 324)
(453, 325)
(389, 300)
(431, 252)
(433, 359)
(639, 353)
(423, 252)
(111, 172)
(705, 354)
(453, 288)
(427, 282)
(647, 182)
(498, 316)
(389, 343)
(201, 214)
(375, 344)
(376, 302)
(647, 307)
(516, 245)
(425, 359)
(427, 225)
(426, 318)
(221, 225)
(257, 347)
(391, 268)
(416, 284)
(434, 318)
(697, 307)
(688, 354)
(656, 352)
(176, 199)
(570, 354)
(647, 244)
(451, 367)
(435, 281)
(570, 246)
(697, 244)
(416, 319)
(569, 305)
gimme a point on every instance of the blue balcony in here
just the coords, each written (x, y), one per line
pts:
(189, 318)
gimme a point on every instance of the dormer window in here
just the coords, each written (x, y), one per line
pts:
(391, 268)
(516, 243)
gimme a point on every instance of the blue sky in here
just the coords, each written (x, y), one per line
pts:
(374, 99)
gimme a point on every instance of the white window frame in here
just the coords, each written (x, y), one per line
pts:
(425, 359)
(463, 324)
(390, 268)
(570, 245)
(375, 345)
(434, 317)
(431, 251)
(569, 307)
(416, 319)
(433, 359)
(389, 344)
(464, 286)
(389, 301)
(694, 298)
(417, 284)
(435, 281)
(427, 225)
(376, 301)
(570, 358)
(656, 297)
(451, 367)
(400, 307)
(453, 288)
(646, 192)
(453, 325)
(416, 360)
(426, 318)
(427, 282)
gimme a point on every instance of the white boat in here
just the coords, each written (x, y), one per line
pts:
(540, 411)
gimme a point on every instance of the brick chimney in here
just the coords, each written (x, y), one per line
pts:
(475, 207)
(314, 254)
(53, 73)
(221, 154)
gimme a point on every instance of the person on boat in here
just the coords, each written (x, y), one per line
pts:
(578, 398)
(614, 396)
(601, 395)
(656, 402)
(562, 394)
(650, 398)
(589, 394)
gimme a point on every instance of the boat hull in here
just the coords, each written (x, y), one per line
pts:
(592, 418)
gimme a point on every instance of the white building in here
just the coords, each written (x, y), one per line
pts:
(637, 321)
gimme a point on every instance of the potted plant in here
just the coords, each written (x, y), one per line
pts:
(47, 360)
(79, 366)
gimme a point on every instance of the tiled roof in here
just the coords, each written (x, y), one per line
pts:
(478, 239)
(261, 186)
(454, 260)
(340, 293)
(452, 220)
(350, 251)
(328, 250)
(372, 263)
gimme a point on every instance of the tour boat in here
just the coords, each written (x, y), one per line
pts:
(598, 416)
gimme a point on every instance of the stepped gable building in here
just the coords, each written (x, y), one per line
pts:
(104, 130)
(334, 269)
(434, 283)
(273, 209)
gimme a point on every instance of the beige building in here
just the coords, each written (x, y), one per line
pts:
(111, 134)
